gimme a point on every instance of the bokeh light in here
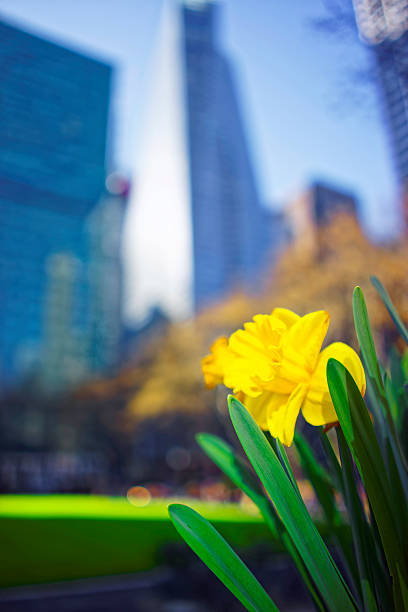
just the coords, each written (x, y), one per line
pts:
(139, 496)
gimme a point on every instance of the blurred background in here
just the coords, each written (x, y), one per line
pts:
(168, 169)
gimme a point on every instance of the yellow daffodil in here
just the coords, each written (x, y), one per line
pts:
(213, 364)
(276, 367)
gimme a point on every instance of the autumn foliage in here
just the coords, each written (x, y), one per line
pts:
(304, 281)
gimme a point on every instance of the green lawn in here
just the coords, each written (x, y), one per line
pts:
(46, 538)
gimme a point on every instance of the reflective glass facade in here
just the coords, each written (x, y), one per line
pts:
(230, 236)
(384, 25)
(53, 124)
(392, 62)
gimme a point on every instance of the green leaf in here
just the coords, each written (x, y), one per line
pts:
(391, 399)
(398, 382)
(397, 372)
(390, 307)
(404, 364)
(239, 472)
(302, 569)
(323, 486)
(319, 479)
(359, 432)
(230, 463)
(219, 557)
(368, 350)
(291, 510)
(399, 492)
(363, 545)
(333, 462)
(402, 588)
(366, 341)
(283, 458)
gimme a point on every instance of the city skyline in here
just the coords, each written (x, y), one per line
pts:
(285, 85)
(292, 62)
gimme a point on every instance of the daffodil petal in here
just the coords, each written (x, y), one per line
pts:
(306, 336)
(301, 345)
(213, 365)
(288, 317)
(318, 408)
(282, 420)
(255, 354)
(238, 377)
(259, 407)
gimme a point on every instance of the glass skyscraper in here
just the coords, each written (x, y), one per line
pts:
(383, 24)
(54, 108)
(200, 229)
(228, 228)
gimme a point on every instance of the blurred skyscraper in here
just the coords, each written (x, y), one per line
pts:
(54, 109)
(384, 25)
(315, 206)
(105, 274)
(200, 229)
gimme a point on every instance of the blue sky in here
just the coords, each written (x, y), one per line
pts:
(304, 117)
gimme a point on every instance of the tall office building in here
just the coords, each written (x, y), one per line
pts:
(54, 109)
(72, 352)
(383, 24)
(313, 207)
(104, 273)
(197, 226)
